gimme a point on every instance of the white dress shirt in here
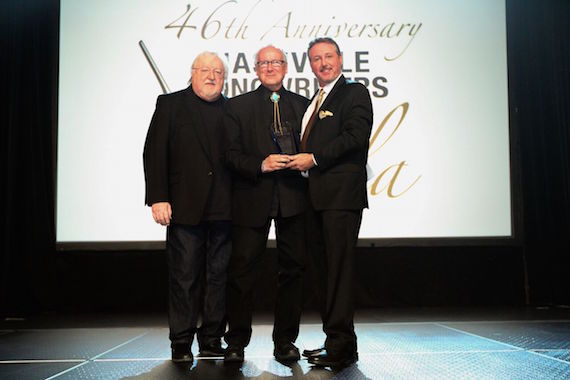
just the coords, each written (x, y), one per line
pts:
(327, 89)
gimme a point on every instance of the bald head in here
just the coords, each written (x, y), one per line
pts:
(271, 67)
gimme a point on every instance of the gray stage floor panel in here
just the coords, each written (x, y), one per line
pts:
(430, 349)
(63, 344)
(530, 335)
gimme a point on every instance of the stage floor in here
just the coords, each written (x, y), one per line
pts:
(392, 344)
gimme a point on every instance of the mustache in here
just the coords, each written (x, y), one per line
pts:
(210, 82)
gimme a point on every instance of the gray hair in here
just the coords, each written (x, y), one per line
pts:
(210, 54)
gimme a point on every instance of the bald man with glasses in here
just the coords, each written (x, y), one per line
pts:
(264, 130)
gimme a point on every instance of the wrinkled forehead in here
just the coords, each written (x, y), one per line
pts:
(269, 53)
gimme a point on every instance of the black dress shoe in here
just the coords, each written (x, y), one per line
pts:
(286, 353)
(212, 349)
(233, 354)
(181, 353)
(316, 351)
(333, 360)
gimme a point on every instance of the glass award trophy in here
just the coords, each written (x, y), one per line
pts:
(282, 132)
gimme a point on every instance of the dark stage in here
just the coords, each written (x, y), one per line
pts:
(393, 344)
(427, 308)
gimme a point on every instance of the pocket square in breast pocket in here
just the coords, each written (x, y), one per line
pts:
(324, 113)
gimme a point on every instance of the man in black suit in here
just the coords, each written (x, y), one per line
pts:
(264, 129)
(188, 187)
(336, 129)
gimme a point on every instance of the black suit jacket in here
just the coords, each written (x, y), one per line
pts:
(339, 143)
(178, 163)
(247, 123)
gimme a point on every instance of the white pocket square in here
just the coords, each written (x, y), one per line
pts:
(324, 113)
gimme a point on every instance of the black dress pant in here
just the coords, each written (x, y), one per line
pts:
(197, 255)
(249, 244)
(332, 237)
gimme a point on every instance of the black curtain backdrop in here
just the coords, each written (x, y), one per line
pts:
(534, 270)
(538, 35)
(29, 56)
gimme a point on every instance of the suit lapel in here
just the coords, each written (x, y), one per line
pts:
(336, 88)
(339, 83)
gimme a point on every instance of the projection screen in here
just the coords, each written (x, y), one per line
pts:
(436, 71)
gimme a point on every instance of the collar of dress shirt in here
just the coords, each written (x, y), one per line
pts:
(328, 88)
(311, 107)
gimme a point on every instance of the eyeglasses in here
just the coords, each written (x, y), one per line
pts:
(274, 63)
(207, 70)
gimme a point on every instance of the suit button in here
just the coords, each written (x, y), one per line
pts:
(210, 173)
